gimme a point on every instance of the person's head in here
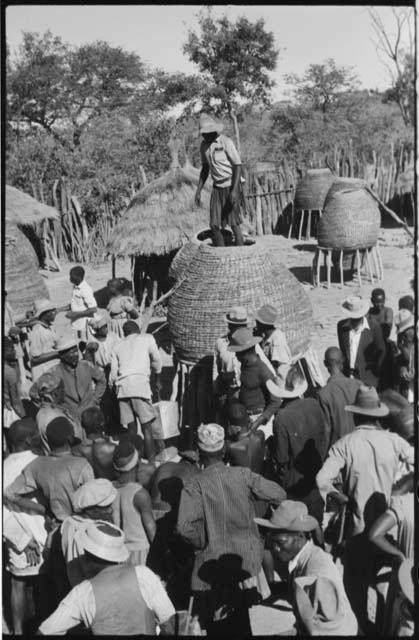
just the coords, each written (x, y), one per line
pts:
(368, 408)
(48, 317)
(130, 327)
(114, 287)
(211, 443)
(238, 419)
(45, 311)
(290, 386)
(355, 309)
(378, 299)
(266, 317)
(92, 421)
(135, 440)
(49, 388)
(76, 275)
(404, 424)
(125, 458)
(68, 350)
(288, 529)
(94, 499)
(407, 302)
(236, 318)
(242, 343)
(9, 352)
(60, 434)
(209, 128)
(333, 359)
(21, 435)
(355, 322)
(104, 545)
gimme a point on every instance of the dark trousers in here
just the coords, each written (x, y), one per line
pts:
(218, 239)
(358, 566)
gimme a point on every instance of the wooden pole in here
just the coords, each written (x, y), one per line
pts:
(390, 212)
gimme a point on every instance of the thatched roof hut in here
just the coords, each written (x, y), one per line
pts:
(23, 282)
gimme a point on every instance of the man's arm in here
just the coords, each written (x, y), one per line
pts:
(113, 371)
(327, 413)
(15, 398)
(280, 449)
(99, 378)
(78, 606)
(265, 489)
(202, 178)
(190, 522)
(334, 462)
(378, 534)
(43, 357)
(86, 313)
(142, 502)
(156, 599)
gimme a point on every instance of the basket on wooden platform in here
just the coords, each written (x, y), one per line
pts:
(23, 282)
(344, 184)
(351, 220)
(311, 190)
(218, 278)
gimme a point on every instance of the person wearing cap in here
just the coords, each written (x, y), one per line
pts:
(299, 440)
(216, 514)
(84, 384)
(404, 365)
(400, 514)
(219, 157)
(320, 604)
(274, 342)
(361, 342)
(42, 338)
(120, 307)
(56, 476)
(117, 599)
(367, 461)
(24, 534)
(13, 408)
(48, 394)
(254, 375)
(338, 392)
(132, 508)
(132, 362)
(83, 303)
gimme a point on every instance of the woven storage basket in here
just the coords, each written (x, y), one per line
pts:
(344, 184)
(218, 278)
(311, 191)
(23, 282)
(351, 220)
(186, 253)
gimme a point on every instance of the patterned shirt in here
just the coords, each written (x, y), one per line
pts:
(220, 155)
(216, 516)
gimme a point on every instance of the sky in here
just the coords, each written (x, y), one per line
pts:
(304, 34)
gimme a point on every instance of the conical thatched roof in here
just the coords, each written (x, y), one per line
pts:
(162, 216)
(25, 210)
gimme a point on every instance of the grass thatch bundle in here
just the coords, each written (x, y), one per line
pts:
(23, 282)
(218, 278)
(162, 216)
(351, 220)
(25, 210)
(311, 191)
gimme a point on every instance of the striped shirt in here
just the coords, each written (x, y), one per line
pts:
(216, 516)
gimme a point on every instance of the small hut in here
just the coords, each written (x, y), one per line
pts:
(23, 282)
(160, 219)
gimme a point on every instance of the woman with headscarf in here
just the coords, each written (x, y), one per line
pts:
(120, 307)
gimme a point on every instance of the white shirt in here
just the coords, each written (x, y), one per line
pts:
(354, 338)
(81, 300)
(131, 363)
(80, 606)
(276, 348)
(104, 352)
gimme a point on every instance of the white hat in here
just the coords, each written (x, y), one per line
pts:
(104, 545)
(210, 437)
(42, 305)
(66, 342)
(281, 389)
(355, 307)
(403, 320)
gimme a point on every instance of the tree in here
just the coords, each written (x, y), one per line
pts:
(235, 60)
(322, 85)
(398, 52)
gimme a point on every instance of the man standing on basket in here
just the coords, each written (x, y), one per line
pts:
(220, 157)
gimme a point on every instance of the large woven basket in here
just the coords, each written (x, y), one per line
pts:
(23, 282)
(188, 251)
(311, 191)
(218, 278)
(344, 184)
(351, 220)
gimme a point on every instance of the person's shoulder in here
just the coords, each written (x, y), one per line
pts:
(319, 561)
(85, 286)
(343, 324)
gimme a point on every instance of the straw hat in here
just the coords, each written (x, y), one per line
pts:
(64, 343)
(209, 125)
(267, 315)
(404, 320)
(94, 493)
(243, 339)
(368, 403)
(42, 305)
(237, 315)
(406, 577)
(319, 604)
(211, 437)
(284, 389)
(101, 544)
(289, 516)
(355, 307)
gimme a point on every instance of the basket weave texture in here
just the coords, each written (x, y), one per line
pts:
(344, 184)
(311, 191)
(23, 282)
(182, 259)
(218, 278)
(351, 220)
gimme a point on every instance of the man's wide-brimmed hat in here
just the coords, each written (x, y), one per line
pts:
(237, 315)
(267, 315)
(289, 516)
(209, 125)
(284, 388)
(211, 437)
(368, 403)
(404, 320)
(101, 544)
(42, 305)
(355, 307)
(319, 604)
(66, 342)
(406, 577)
(243, 339)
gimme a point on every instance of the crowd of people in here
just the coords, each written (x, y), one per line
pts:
(296, 489)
